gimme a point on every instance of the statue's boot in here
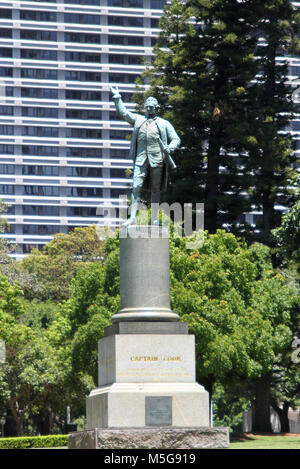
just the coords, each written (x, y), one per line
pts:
(135, 198)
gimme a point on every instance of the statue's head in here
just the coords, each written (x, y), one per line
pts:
(151, 106)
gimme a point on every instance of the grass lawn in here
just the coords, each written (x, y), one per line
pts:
(277, 441)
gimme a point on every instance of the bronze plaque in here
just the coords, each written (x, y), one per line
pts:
(158, 410)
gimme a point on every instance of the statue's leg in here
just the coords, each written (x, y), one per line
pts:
(139, 175)
(156, 174)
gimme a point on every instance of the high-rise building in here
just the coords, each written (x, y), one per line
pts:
(63, 150)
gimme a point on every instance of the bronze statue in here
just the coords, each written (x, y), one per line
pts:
(153, 141)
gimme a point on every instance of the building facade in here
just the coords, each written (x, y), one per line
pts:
(63, 150)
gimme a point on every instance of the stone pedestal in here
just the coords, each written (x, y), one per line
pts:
(137, 367)
(147, 390)
(144, 275)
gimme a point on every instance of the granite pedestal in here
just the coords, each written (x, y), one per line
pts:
(146, 362)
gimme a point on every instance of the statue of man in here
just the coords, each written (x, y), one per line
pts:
(153, 141)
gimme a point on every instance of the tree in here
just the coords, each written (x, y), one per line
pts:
(57, 264)
(202, 75)
(30, 369)
(287, 235)
(271, 148)
(239, 308)
(228, 97)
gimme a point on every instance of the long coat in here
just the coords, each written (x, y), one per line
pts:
(167, 133)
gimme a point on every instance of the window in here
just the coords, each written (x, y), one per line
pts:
(116, 39)
(40, 229)
(6, 129)
(6, 52)
(83, 37)
(35, 170)
(84, 172)
(113, 115)
(7, 169)
(84, 192)
(44, 1)
(84, 2)
(83, 133)
(37, 15)
(40, 210)
(135, 41)
(7, 189)
(83, 76)
(83, 114)
(7, 14)
(5, 32)
(49, 191)
(84, 152)
(40, 112)
(81, 211)
(117, 173)
(38, 35)
(82, 57)
(9, 91)
(83, 95)
(40, 131)
(154, 22)
(119, 153)
(11, 209)
(81, 18)
(10, 229)
(26, 248)
(6, 149)
(157, 4)
(124, 59)
(126, 3)
(118, 134)
(125, 21)
(38, 74)
(34, 150)
(38, 54)
(6, 110)
(40, 93)
(6, 72)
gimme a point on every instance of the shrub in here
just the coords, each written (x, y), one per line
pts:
(23, 442)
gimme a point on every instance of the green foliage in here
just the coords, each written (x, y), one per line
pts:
(236, 304)
(287, 236)
(26, 442)
(59, 262)
(229, 99)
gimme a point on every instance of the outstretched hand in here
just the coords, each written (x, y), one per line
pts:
(115, 92)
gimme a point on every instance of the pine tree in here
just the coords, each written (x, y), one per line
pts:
(270, 147)
(228, 98)
(204, 63)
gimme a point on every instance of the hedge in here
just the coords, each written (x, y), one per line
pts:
(23, 442)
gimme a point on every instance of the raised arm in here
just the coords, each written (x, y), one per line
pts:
(120, 107)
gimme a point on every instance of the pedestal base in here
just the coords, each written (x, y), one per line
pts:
(128, 405)
(150, 438)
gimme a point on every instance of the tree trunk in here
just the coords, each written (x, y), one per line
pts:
(212, 181)
(18, 417)
(283, 416)
(268, 213)
(262, 420)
